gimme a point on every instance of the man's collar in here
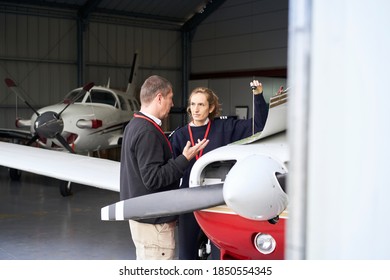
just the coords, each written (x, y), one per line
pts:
(156, 120)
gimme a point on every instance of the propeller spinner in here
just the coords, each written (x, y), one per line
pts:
(49, 124)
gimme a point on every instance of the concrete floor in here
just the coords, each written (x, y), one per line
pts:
(37, 223)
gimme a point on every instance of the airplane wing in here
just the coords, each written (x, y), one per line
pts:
(96, 172)
(276, 120)
(102, 173)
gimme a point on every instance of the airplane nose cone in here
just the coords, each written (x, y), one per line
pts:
(48, 125)
(257, 195)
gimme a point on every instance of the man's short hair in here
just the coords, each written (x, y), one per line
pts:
(152, 86)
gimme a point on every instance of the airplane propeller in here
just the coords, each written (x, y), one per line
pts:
(11, 84)
(49, 124)
(263, 197)
(165, 203)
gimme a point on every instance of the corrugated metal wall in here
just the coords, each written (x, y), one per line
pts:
(40, 55)
(110, 49)
(242, 35)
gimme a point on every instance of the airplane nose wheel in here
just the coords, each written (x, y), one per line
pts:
(204, 246)
(66, 188)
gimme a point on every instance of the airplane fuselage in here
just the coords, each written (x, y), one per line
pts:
(93, 122)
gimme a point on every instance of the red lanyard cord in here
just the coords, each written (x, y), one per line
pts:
(157, 126)
(205, 137)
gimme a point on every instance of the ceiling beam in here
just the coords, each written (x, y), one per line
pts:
(194, 21)
(89, 7)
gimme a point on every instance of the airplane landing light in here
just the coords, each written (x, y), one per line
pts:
(265, 243)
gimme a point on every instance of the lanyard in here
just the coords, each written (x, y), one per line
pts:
(205, 137)
(157, 126)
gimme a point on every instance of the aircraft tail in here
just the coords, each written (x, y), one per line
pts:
(133, 76)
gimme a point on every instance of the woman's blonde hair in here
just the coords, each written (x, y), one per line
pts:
(211, 97)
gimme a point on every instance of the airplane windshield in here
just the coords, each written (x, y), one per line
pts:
(71, 95)
(94, 96)
(104, 97)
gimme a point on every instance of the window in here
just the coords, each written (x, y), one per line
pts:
(103, 97)
(73, 95)
(136, 105)
(131, 105)
(123, 103)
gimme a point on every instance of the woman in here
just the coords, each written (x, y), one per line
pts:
(204, 110)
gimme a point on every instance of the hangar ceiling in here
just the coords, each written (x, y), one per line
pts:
(173, 14)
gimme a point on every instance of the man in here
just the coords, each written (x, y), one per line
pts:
(147, 166)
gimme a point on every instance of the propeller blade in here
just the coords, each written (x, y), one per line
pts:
(86, 88)
(64, 143)
(12, 86)
(33, 139)
(166, 203)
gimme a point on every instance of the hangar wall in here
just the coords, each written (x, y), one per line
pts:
(110, 49)
(241, 37)
(40, 54)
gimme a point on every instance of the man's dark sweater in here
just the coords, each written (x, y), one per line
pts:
(147, 165)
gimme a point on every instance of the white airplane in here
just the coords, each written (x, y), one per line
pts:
(237, 191)
(91, 118)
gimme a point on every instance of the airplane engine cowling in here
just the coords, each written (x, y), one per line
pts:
(252, 190)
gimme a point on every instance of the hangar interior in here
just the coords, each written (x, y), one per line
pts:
(50, 47)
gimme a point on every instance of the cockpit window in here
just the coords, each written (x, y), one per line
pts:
(73, 94)
(134, 105)
(123, 103)
(131, 106)
(103, 97)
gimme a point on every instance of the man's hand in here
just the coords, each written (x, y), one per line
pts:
(190, 152)
(257, 88)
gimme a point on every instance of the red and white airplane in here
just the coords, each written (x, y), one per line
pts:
(91, 118)
(237, 191)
